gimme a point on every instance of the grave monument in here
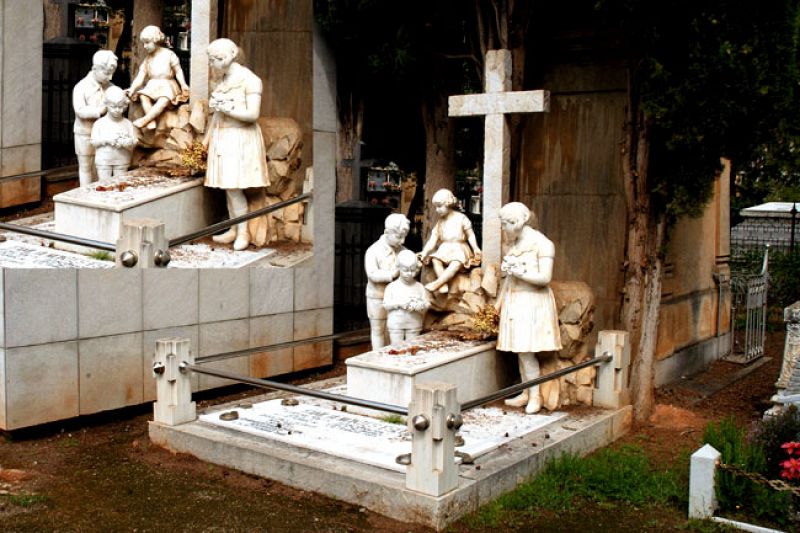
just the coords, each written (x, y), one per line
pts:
(461, 293)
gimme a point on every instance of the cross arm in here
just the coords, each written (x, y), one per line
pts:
(499, 103)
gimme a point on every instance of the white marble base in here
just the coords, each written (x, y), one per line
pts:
(184, 205)
(475, 367)
(321, 426)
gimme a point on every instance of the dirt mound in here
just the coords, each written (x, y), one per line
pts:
(671, 417)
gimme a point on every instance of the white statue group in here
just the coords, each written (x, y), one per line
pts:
(396, 302)
(105, 139)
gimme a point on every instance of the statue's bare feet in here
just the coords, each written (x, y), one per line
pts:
(431, 287)
(242, 242)
(140, 123)
(534, 405)
(226, 238)
(518, 401)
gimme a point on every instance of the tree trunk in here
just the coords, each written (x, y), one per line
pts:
(440, 167)
(351, 124)
(643, 261)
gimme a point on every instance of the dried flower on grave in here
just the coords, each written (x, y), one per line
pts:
(194, 157)
(487, 321)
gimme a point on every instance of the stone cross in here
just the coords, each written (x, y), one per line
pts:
(495, 103)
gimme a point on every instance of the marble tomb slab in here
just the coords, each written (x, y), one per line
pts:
(98, 210)
(19, 254)
(323, 427)
(388, 375)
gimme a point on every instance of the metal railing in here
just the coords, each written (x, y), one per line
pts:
(53, 236)
(360, 402)
(519, 387)
(100, 245)
(749, 313)
(225, 224)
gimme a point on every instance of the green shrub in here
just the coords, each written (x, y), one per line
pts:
(737, 493)
(784, 272)
(772, 433)
(622, 475)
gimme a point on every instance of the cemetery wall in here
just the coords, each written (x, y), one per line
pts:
(20, 114)
(276, 37)
(570, 173)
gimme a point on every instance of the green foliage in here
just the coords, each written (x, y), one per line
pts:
(737, 493)
(101, 255)
(27, 500)
(394, 419)
(770, 434)
(622, 475)
(714, 78)
(784, 273)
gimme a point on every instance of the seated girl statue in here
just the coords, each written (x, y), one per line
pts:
(452, 244)
(160, 82)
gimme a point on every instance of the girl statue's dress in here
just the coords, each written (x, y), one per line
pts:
(236, 156)
(451, 233)
(158, 69)
(528, 313)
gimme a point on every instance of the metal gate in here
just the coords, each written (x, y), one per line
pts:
(749, 313)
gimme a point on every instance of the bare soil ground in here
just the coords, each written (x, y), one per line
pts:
(101, 473)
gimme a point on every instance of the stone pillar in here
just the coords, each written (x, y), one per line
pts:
(612, 389)
(496, 157)
(146, 239)
(174, 403)
(21, 26)
(204, 30)
(307, 230)
(433, 418)
(791, 350)
(702, 473)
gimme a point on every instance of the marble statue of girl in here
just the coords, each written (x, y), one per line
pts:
(236, 156)
(160, 81)
(113, 136)
(528, 313)
(452, 245)
(405, 300)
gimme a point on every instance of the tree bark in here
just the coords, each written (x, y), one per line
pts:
(643, 258)
(440, 167)
(351, 124)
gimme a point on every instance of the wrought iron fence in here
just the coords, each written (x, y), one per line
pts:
(749, 311)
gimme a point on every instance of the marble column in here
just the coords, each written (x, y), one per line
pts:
(204, 30)
(21, 25)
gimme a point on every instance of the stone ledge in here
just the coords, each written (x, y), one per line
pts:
(384, 491)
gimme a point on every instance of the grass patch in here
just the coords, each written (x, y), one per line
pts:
(608, 477)
(27, 500)
(101, 255)
(393, 419)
